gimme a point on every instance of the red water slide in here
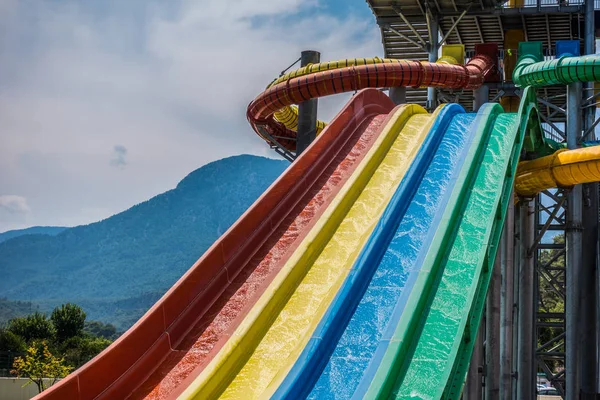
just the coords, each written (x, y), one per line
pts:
(177, 337)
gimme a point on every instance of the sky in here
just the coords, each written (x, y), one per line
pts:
(105, 104)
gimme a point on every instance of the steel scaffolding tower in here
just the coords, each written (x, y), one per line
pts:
(531, 334)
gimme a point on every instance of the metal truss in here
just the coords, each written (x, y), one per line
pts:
(549, 258)
(550, 254)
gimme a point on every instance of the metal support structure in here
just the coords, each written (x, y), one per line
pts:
(492, 333)
(526, 337)
(409, 25)
(453, 27)
(589, 47)
(433, 56)
(480, 97)
(398, 95)
(589, 324)
(473, 388)
(403, 36)
(307, 110)
(588, 298)
(506, 303)
(573, 253)
(516, 268)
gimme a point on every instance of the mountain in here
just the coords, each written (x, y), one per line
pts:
(117, 268)
(12, 309)
(34, 230)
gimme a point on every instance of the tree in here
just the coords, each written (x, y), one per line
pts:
(32, 327)
(69, 320)
(11, 342)
(99, 329)
(39, 364)
(79, 350)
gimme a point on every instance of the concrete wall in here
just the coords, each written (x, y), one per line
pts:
(11, 389)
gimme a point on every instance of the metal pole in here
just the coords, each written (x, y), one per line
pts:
(433, 56)
(472, 390)
(492, 333)
(506, 303)
(480, 97)
(398, 95)
(526, 375)
(515, 307)
(589, 47)
(574, 254)
(307, 110)
(588, 290)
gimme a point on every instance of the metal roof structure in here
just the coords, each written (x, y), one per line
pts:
(406, 26)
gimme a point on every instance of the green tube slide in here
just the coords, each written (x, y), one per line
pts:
(532, 71)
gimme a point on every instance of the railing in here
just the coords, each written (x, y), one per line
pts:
(546, 3)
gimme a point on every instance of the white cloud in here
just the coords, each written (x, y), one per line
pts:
(14, 204)
(169, 81)
(14, 211)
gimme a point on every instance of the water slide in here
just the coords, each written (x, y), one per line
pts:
(362, 270)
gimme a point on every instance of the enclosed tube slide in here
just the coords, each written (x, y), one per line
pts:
(197, 315)
(532, 72)
(388, 73)
(563, 169)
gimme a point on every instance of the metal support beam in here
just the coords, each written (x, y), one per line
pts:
(307, 110)
(588, 288)
(403, 36)
(574, 253)
(473, 389)
(589, 319)
(433, 56)
(506, 303)
(481, 96)
(454, 25)
(412, 28)
(526, 337)
(516, 292)
(492, 333)
(589, 47)
(398, 95)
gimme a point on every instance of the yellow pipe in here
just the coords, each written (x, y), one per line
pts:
(268, 341)
(563, 169)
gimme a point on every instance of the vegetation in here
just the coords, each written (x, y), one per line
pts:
(117, 268)
(39, 364)
(68, 320)
(45, 347)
